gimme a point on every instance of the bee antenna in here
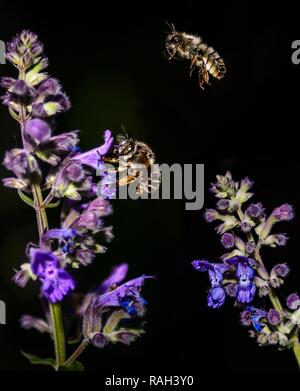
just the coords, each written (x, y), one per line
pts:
(124, 131)
(171, 26)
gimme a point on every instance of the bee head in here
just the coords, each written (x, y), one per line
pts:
(173, 40)
(126, 145)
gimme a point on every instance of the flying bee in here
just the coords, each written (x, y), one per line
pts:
(191, 47)
(134, 161)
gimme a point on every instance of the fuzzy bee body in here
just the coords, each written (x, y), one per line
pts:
(203, 57)
(134, 155)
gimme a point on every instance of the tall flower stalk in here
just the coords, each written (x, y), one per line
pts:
(50, 170)
(244, 230)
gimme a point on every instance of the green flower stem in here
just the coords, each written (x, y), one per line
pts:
(55, 309)
(42, 222)
(58, 334)
(80, 349)
(296, 349)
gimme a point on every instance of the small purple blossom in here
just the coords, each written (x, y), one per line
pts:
(22, 276)
(227, 240)
(293, 301)
(250, 247)
(245, 273)
(245, 318)
(255, 315)
(16, 161)
(91, 158)
(281, 270)
(255, 210)
(210, 215)
(216, 295)
(246, 184)
(123, 303)
(118, 274)
(120, 296)
(71, 178)
(245, 226)
(281, 239)
(276, 240)
(37, 131)
(31, 322)
(56, 282)
(283, 212)
(223, 204)
(274, 316)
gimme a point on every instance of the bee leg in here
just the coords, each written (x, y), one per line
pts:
(193, 66)
(203, 76)
(172, 54)
(127, 180)
(109, 159)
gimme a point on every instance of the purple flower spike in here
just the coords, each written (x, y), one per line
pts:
(56, 282)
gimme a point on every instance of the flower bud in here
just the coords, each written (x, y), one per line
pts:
(74, 172)
(227, 240)
(283, 212)
(293, 301)
(273, 338)
(37, 131)
(274, 317)
(255, 210)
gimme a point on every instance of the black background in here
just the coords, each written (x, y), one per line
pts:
(109, 59)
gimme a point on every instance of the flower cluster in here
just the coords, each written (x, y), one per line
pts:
(112, 313)
(108, 314)
(245, 228)
(52, 162)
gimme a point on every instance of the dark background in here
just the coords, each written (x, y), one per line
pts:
(109, 59)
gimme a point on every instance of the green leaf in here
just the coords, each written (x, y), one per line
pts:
(74, 367)
(39, 361)
(75, 339)
(53, 204)
(13, 114)
(25, 198)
